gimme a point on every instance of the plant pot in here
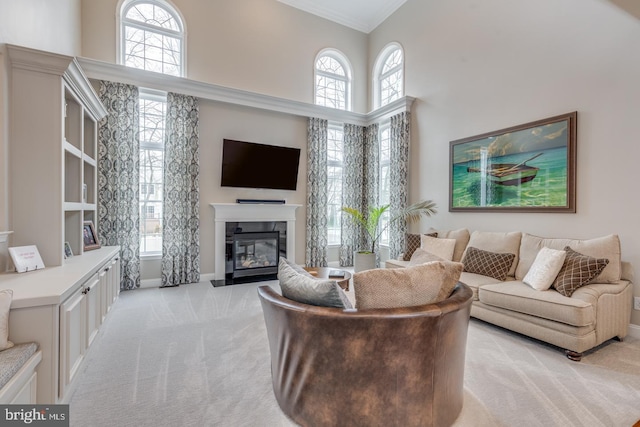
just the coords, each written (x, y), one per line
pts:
(363, 261)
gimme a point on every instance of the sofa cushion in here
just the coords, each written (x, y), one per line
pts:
(519, 297)
(545, 269)
(298, 285)
(413, 242)
(462, 239)
(6, 295)
(601, 247)
(578, 270)
(442, 248)
(407, 287)
(474, 281)
(487, 263)
(497, 242)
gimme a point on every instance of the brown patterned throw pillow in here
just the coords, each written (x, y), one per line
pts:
(578, 270)
(487, 263)
(411, 243)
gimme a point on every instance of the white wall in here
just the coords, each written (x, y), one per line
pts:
(476, 67)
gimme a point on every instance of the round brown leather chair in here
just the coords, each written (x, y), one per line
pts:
(383, 367)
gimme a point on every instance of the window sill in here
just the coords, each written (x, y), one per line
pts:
(150, 257)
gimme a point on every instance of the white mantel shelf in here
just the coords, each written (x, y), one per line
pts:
(250, 212)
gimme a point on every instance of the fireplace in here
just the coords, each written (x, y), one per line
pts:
(255, 254)
(251, 222)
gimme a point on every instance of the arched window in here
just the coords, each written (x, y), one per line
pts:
(389, 75)
(152, 37)
(332, 80)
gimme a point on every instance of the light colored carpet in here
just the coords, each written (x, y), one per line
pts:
(196, 355)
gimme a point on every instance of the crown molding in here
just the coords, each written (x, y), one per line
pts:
(64, 66)
(146, 79)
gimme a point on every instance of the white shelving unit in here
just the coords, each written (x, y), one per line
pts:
(53, 151)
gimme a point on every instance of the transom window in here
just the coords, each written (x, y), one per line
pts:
(334, 182)
(152, 130)
(332, 80)
(385, 180)
(389, 75)
(152, 37)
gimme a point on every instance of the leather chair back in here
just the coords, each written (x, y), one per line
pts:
(383, 367)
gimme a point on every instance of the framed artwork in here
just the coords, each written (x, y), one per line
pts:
(89, 236)
(525, 168)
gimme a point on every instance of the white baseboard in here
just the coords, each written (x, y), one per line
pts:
(155, 283)
(634, 331)
(150, 283)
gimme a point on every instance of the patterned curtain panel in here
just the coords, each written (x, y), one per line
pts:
(352, 237)
(399, 167)
(316, 249)
(371, 176)
(118, 178)
(180, 212)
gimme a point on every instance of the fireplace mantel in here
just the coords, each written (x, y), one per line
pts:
(231, 212)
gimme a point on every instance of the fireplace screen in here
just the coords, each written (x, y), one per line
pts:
(255, 253)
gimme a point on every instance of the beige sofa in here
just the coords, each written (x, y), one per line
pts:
(592, 315)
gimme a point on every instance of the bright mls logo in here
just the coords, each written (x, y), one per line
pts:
(37, 415)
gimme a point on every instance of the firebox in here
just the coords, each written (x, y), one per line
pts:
(255, 253)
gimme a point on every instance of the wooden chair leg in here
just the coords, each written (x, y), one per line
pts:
(573, 355)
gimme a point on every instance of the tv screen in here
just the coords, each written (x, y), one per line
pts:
(251, 165)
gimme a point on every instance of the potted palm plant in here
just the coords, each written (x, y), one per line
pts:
(365, 259)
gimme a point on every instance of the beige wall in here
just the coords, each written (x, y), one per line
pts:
(476, 67)
(262, 46)
(219, 121)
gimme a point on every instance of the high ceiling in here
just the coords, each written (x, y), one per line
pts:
(361, 15)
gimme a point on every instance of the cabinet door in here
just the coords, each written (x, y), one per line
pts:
(104, 290)
(72, 337)
(94, 297)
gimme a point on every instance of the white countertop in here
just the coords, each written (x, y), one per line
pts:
(52, 285)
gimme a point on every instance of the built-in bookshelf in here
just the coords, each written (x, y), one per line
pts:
(53, 151)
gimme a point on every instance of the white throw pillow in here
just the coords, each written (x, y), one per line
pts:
(442, 248)
(5, 304)
(544, 269)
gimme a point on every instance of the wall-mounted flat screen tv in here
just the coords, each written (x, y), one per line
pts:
(252, 165)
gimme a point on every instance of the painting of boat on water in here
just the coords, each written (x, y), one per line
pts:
(525, 168)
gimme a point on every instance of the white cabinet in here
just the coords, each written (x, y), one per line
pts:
(72, 337)
(94, 296)
(61, 308)
(53, 151)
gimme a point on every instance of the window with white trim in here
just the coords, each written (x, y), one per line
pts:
(389, 75)
(384, 182)
(153, 109)
(334, 182)
(152, 37)
(332, 80)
